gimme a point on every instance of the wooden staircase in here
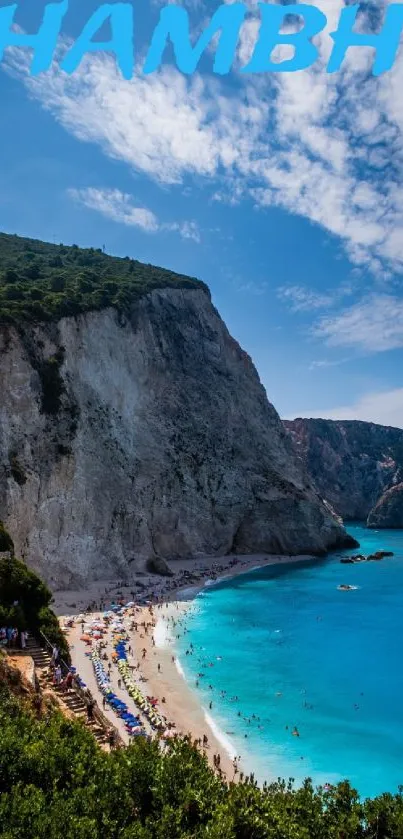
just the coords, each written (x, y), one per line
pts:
(72, 700)
(40, 656)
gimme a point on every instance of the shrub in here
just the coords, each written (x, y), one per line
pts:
(57, 784)
(6, 542)
(25, 600)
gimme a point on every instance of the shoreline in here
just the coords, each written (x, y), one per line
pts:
(158, 667)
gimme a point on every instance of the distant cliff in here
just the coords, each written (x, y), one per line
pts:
(388, 511)
(351, 463)
(141, 429)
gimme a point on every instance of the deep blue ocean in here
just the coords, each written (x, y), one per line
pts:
(290, 648)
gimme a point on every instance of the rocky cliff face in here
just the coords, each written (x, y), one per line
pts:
(124, 438)
(351, 463)
(388, 511)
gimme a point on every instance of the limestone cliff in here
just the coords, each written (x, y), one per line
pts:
(124, 437)
(351, 463)
(388, 511)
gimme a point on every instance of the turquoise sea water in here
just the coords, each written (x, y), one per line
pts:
(296, 652)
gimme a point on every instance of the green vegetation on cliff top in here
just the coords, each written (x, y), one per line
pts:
(43, 282)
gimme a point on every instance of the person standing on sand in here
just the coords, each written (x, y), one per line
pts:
(90, 710)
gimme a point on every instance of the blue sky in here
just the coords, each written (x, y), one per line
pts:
(282, 192)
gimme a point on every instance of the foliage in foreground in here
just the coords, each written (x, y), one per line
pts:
(57, 784)
(24, 603)
(44, 282)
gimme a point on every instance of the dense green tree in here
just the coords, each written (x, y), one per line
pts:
(25, 602)
(44, 282)
(57, 784)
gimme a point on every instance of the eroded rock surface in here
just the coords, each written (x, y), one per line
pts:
(351, 463)
(388, 512)
(123, 437)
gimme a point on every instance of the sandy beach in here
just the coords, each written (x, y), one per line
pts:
(157, 602)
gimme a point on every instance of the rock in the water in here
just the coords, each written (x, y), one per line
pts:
(388, 512)
(351, 463)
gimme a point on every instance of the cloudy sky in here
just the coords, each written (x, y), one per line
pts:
(284, 192)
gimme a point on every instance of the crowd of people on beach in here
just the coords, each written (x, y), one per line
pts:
(160, 589)
(150, 600)
(118, 626)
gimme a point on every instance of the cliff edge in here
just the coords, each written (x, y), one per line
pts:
(145, 432)
(388, 511)
(351, 463)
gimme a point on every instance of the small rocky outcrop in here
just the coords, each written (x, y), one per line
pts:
(353, 560)
(388, 512)
(157, 565)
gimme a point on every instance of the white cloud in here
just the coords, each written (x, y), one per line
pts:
(187, 229)
(383, 407)
(326, 147)
(374, 324)
(119, 207)
(324, 363)
(255, 287)
(116, 205)
(302, 299)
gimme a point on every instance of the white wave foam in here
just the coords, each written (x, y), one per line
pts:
(180, 668)
(187, 593)
(220, 736)
(162, 636)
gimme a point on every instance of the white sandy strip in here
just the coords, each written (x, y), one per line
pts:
(180, 669)
(163, 637)
(220, 736)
